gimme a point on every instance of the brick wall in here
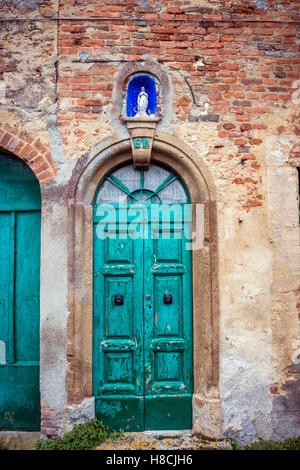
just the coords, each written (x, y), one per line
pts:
(233, 73)
(51, 421)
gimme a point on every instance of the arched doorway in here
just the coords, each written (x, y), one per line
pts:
(142, 322)
(89, 172)
(20, 219)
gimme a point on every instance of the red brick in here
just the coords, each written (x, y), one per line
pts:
(18, 147)
(255, 165)
(214, 44)
(248, 156)
(12, 144)
(272, 97)
(5, 140)
(240, 142)
(238, 181)
(252, 203)
(227, 38)
(230, 80)
(230, 66)
(242, 118)
(89, 102)
(183, 102)
(26, 150)
(39, 146)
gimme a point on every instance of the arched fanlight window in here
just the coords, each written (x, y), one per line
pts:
(128, 185)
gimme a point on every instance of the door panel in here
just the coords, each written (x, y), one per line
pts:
(19, 324)
(20, 397)
(168, 412)
(118, 319)
(27, 286)
(19, 188)
(20, 218)
(118, 331)
(142, 359)
(167, 318)
(168, 330)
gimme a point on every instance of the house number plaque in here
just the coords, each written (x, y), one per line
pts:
(142, 142)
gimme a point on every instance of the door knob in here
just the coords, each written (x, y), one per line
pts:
(147, 297)
(119, 299)
(167, 299)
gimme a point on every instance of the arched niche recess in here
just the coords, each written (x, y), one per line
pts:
(131, 88)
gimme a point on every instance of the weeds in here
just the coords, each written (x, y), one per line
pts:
(2, 445)
(9, 416)
(291, 443)
(82, 437)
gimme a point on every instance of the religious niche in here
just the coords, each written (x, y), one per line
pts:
(141, 110)
(141, 97)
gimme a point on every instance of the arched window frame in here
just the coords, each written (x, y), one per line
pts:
(154, 185)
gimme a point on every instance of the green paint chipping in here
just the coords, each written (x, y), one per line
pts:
(142, 348)
(20, 219)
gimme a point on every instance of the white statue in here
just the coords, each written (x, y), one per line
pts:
(142, 103)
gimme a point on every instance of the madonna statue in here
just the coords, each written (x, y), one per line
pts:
(142, 103)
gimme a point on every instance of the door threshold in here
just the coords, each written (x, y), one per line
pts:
(168, 433)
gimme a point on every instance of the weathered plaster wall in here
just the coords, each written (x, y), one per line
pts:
(231, 96)
(284, 238)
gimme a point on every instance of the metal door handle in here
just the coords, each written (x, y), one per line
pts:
(168, 299)
(119, 299)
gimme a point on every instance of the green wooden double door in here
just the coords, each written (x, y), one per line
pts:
(20, 204)
(142, 361)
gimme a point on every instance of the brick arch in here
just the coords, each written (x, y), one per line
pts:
(29, 149)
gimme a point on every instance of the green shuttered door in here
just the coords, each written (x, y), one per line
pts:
(20, 204)
(142, 354)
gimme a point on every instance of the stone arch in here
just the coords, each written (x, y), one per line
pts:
(87, 175)
(29, 149)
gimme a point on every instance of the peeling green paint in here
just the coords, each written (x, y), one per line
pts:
(142, 360)
(20, 216)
